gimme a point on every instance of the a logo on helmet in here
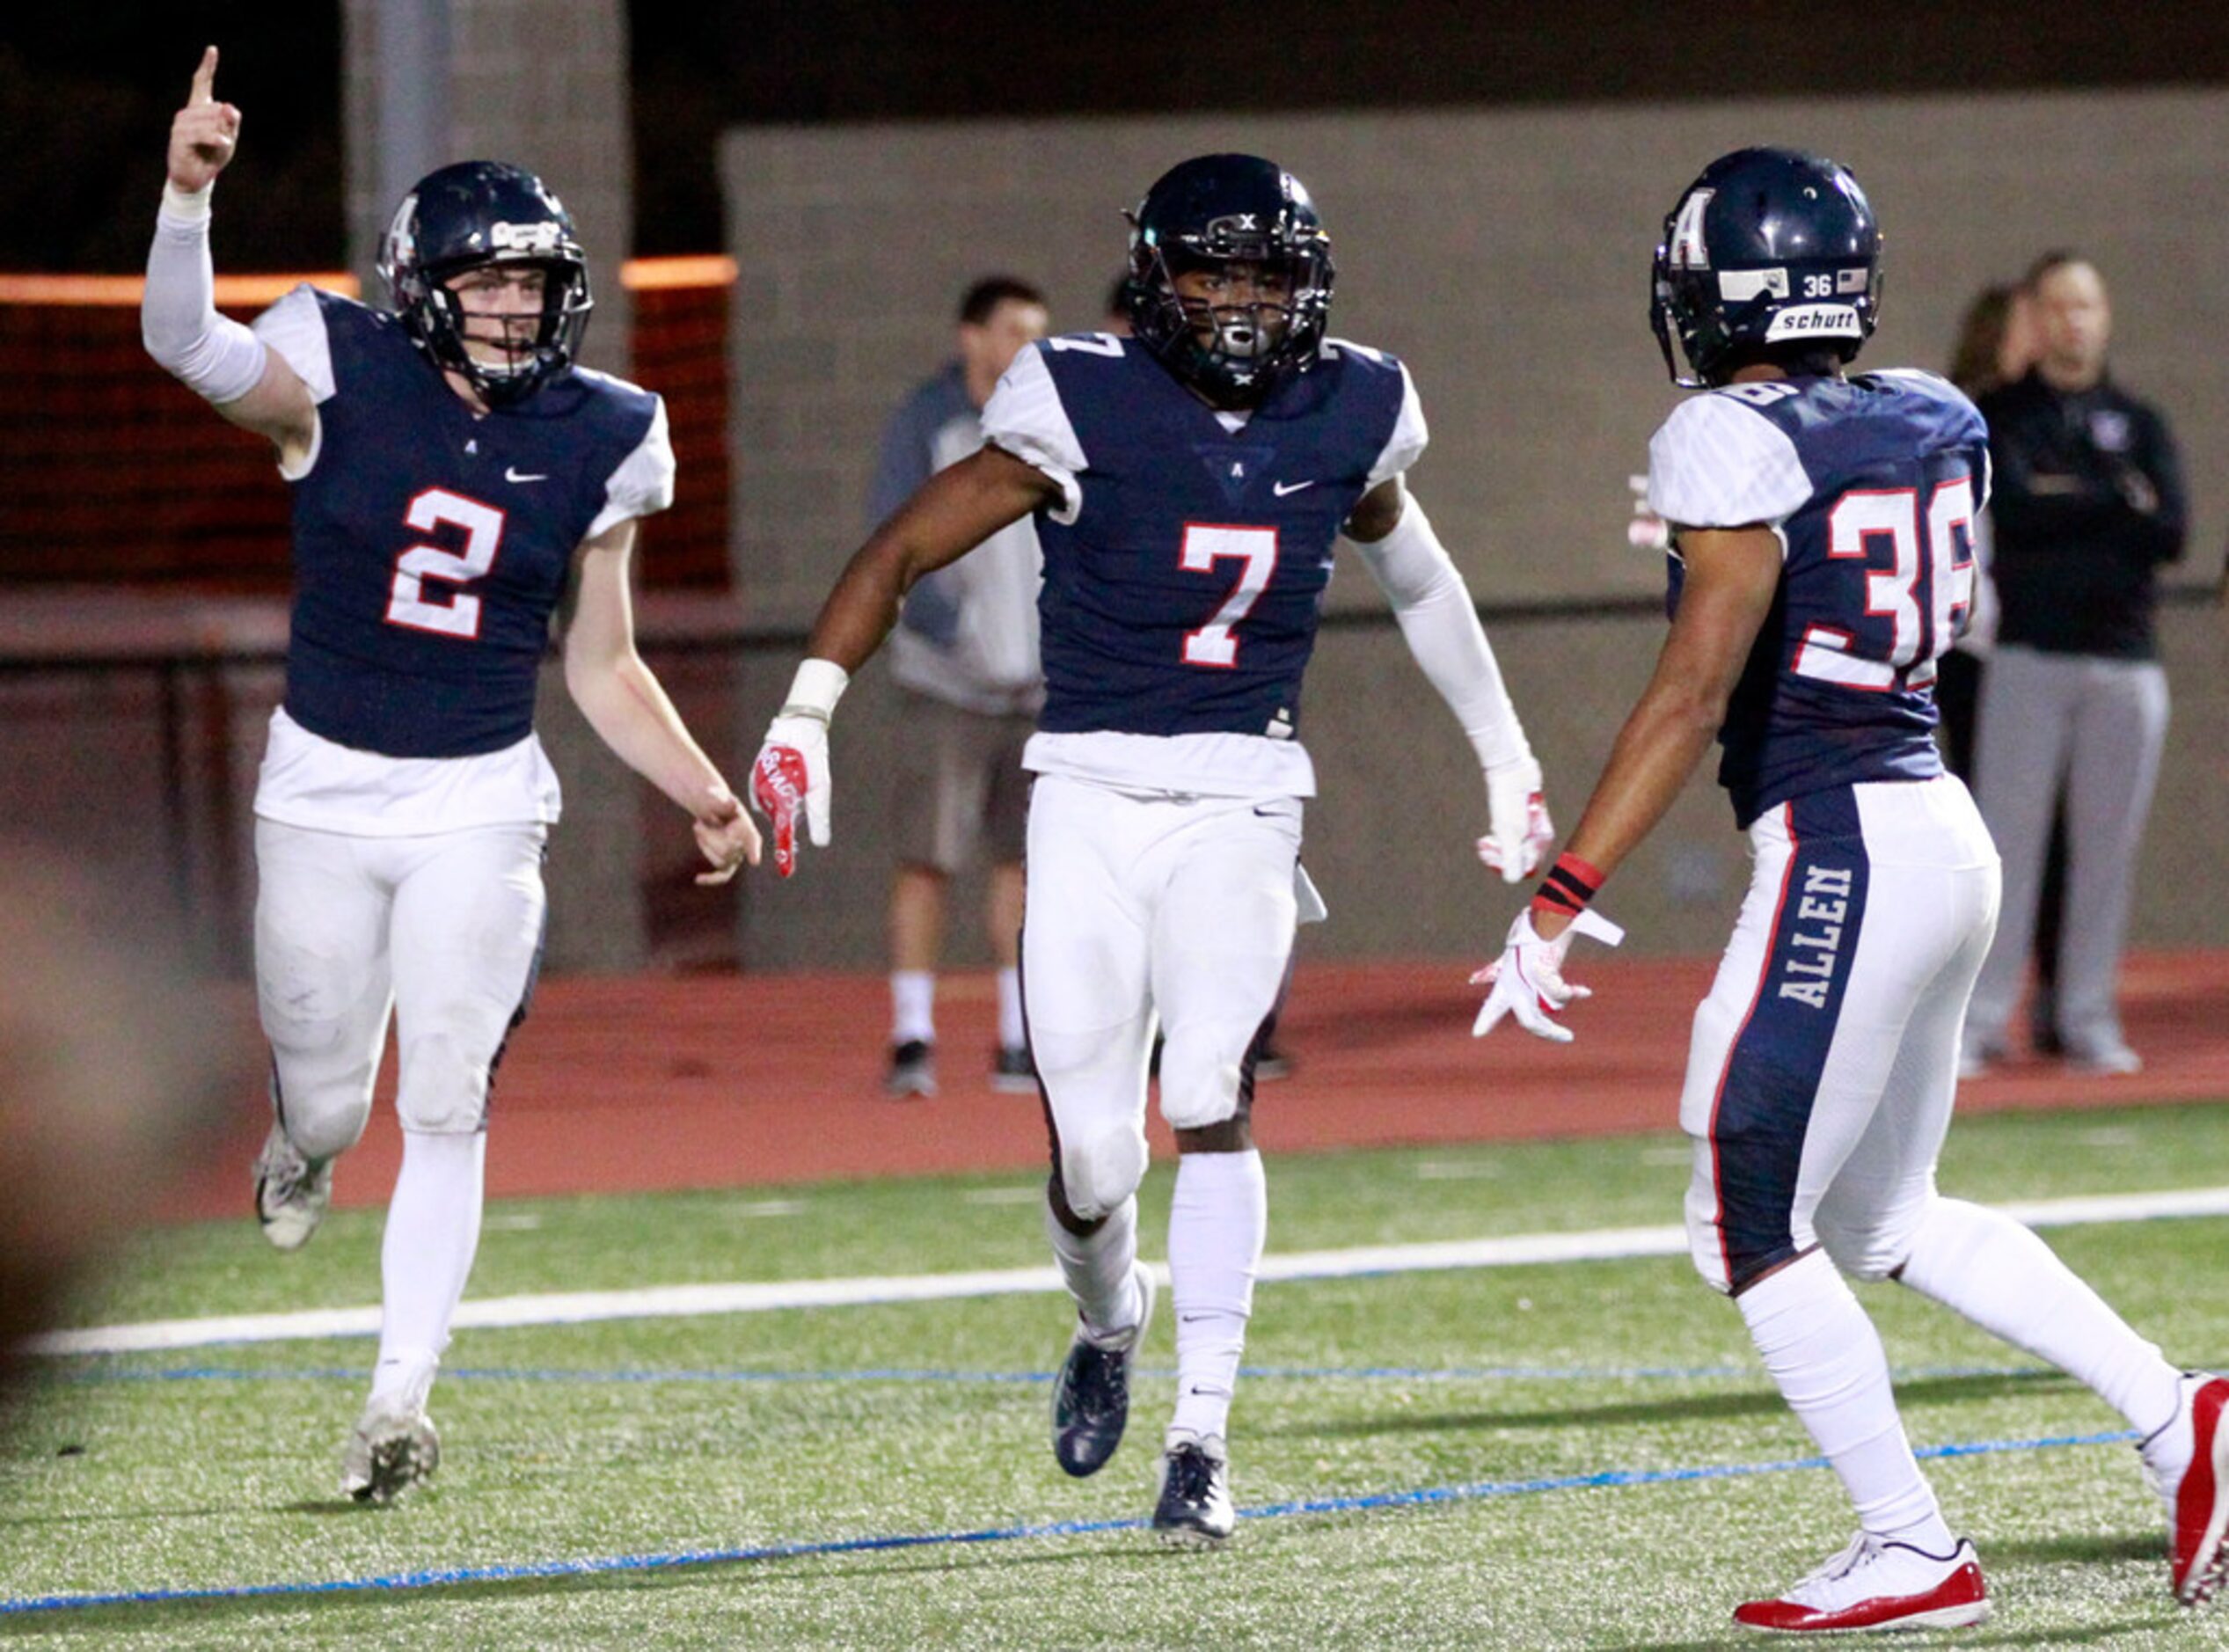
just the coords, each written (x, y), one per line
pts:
(402, 237)
(525, 237)
(1815, 321)
(1688, 249)
(1736, 285)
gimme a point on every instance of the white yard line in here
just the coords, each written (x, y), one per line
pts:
(685, 1301)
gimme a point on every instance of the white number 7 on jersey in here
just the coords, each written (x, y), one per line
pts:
(1213, 645)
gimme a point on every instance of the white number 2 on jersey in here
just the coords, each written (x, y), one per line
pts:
(483, 526)
(1213, 645)
(1928, 583)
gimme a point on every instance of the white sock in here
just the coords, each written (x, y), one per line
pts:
(1984, 1265)
(1099, 1266)
(1218, 1221)
(913, 1006)
(1011, 1036)
(425, 1256)
(1825, 1357)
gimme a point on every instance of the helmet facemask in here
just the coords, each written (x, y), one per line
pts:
(451, 327)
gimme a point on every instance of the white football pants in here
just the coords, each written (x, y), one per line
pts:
(1823, 1062)
(1141, 902)
(445, 929)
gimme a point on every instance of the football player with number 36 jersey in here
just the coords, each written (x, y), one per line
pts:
(1189, 484)
(1822, 562)
(458, 480)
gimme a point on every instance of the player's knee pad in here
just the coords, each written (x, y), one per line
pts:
(442, 1088)
(1101, 1167)
(324, 1113)
(1199, 1078)
(1875, 1248)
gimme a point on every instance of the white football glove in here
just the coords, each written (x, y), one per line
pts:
(1527, 980)
(1518, 830)
(790, 774)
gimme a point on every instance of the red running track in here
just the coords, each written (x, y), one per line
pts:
(644, 1083)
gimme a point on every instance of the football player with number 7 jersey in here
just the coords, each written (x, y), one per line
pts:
(1189, 484)
(1823, 561)
(456, 480)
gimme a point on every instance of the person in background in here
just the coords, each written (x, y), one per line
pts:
(965, 660)
(1996, 346)
(2089, 502)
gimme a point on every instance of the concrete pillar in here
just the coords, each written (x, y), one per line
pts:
(542, 84)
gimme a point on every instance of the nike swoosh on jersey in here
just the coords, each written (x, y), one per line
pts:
(511, 474)
(1282, 488)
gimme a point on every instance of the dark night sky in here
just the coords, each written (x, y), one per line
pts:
(86, 92)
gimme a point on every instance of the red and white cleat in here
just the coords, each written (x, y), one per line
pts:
(1877, 1584)
(2187, 1465)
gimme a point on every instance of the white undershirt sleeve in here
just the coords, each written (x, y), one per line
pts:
(643, 484)
(212, 355)
(1717, 462)
(1025, 418)
(1441, 627)
(1406, 444)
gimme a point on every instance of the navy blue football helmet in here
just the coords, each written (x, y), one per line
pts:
(1214, 210)
(1767, 248)
(472, 214)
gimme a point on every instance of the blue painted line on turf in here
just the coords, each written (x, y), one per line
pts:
(894, 1374)
(603, 1565)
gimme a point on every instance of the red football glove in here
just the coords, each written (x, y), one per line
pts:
(791, 775)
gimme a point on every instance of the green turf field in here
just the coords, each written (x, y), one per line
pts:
(1570, 1455)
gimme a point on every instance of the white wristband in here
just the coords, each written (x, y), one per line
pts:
(187, 207)
(814, 689)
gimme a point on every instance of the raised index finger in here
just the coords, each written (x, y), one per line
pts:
(204, 79)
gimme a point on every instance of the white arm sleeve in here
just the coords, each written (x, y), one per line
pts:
(212, 355)
(295, 328)
(1717, 464)
(1025, 418)
(643, 484)
(1442, 629)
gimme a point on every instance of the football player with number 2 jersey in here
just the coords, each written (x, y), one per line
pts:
(456, 480)
(1822, 562)
(1188, 485)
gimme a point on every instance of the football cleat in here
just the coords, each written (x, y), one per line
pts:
(913, 1070)
(291, 1193)
(1878, 1584)
(2188, 1464)
(1193, 1510)
(391, 1452)
(1013, 1072)
(1091, 1393)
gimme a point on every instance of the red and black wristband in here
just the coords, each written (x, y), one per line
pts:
(1569, 885)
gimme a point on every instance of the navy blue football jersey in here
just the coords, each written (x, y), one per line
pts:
(1873, 484)
(1185, 569)
(432, 543)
